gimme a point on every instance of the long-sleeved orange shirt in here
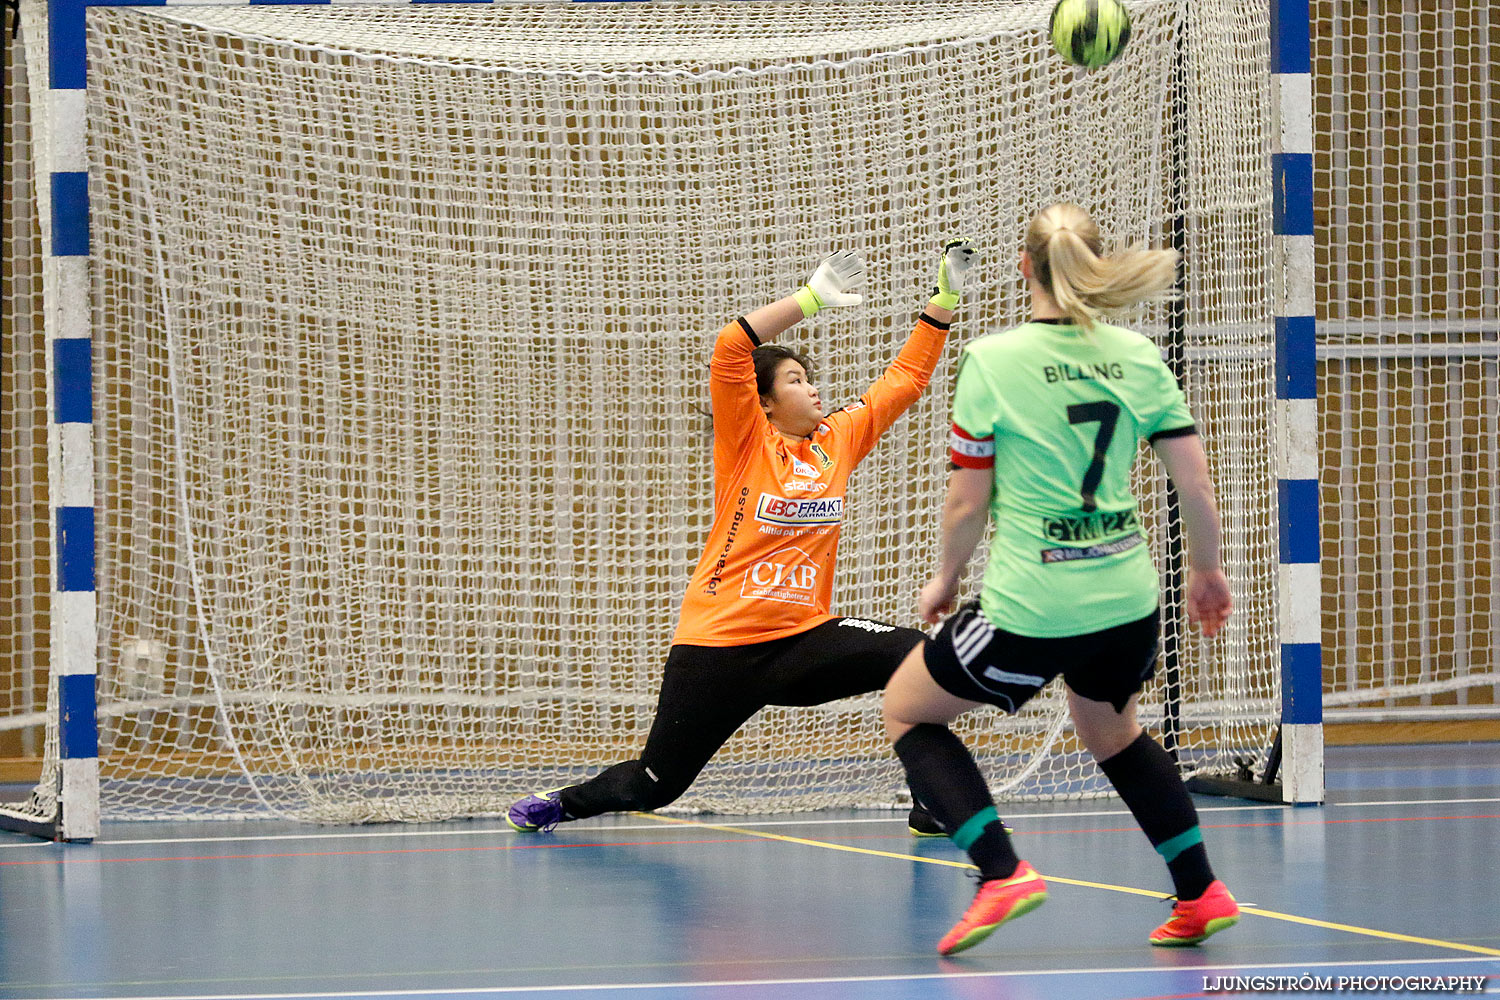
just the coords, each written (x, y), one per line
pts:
(767, 570)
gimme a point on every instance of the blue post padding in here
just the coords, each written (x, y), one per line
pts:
(1291, 36)
(1292, 194)
(72, 380)
(1296, 357)
(75, 548)
(1301, 682)
(70, 213)
(77, 723)
(67, 64)
(1297, 508)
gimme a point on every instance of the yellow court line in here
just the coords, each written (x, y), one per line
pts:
(807, 843)
(1257, 911)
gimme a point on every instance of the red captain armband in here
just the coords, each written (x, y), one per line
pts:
(970, 452)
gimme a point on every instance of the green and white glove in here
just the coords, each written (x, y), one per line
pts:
(953, 271)
(830, 283)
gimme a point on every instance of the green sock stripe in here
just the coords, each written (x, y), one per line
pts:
(1169, 849)
(965, 835)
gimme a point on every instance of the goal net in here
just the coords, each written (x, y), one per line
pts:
(393, 521)
(1410, 331)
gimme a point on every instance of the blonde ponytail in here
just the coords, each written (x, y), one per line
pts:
(1068, 261)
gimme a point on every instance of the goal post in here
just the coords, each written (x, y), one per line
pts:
(1293, 770)
(381, 531)
(65, 802)
(1300, 736)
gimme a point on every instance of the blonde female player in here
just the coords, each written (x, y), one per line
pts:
(755, 627)
(1046, 423)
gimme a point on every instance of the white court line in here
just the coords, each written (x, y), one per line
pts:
(809, 981)
(758, 824)
(507, 831)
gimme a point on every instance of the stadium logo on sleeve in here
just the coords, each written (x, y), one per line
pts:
(809, 512)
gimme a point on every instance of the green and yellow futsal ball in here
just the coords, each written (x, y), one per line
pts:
(1090, 33)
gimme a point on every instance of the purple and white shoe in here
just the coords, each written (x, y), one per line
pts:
(536, 813)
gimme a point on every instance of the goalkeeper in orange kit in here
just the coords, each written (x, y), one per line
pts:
(755, 627)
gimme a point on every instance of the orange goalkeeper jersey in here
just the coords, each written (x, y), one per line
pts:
(767, 570)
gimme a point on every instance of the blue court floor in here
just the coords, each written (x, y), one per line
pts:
(1391, 885)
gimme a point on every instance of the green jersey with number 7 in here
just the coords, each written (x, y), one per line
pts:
(1062, 412)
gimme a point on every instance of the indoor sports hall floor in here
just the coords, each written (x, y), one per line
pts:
(1398, 875)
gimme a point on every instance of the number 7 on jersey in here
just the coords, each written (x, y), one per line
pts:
(1104, 413)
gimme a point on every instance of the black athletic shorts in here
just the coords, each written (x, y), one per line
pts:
(837, 659)
(972, 659)
(708, 692)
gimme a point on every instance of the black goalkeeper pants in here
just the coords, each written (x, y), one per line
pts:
(708, 692)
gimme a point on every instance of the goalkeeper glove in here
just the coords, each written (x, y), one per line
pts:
(953, 271)
(830, 283)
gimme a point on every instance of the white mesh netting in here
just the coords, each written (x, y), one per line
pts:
(27, 707)
(1409, 324)
(400, 368)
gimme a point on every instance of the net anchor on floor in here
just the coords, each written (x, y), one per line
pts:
(1243, 784)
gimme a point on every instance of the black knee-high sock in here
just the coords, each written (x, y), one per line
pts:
(627, 786)
(1147, 779)
(945, 779)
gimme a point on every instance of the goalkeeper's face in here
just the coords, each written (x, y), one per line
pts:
(793, 406)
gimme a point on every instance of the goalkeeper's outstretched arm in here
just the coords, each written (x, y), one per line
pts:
(909, 372)
(954, 265)
(829, 286)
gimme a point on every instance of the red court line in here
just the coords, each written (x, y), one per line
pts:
(661, 843)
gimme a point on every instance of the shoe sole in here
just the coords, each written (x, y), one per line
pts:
(938, 833)
(1023, 906)
(1209, 930)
